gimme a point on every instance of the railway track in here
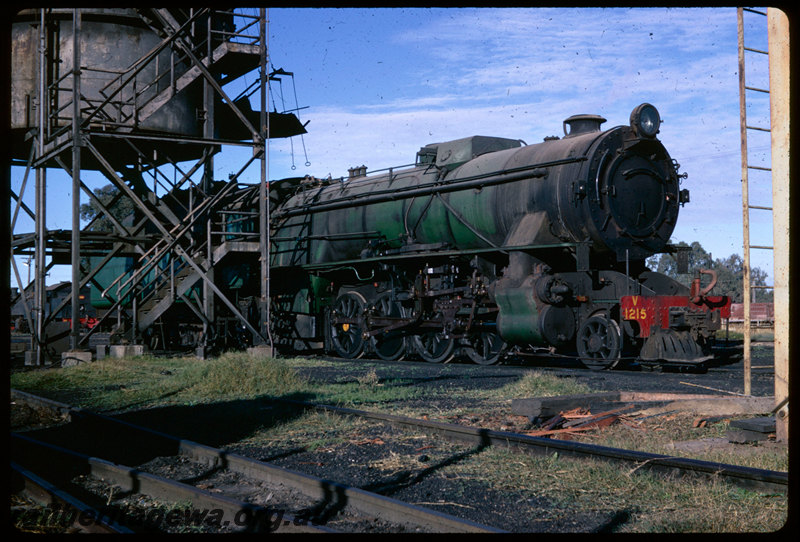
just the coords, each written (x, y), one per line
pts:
(331, 498)
(750, 478)
(67, 508)
(46, 470)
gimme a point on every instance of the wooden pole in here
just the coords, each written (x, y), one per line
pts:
(745, 205)
(778, 35)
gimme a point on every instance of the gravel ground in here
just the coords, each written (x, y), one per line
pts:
(725, 379)
(413, 468)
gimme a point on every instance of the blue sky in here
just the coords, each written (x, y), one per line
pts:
(377, 84)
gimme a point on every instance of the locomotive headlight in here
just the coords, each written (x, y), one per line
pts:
(645, 120)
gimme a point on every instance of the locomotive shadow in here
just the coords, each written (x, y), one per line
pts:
(221, 423)
(624, 366)
(567, 362)
(213, 424)
(406, 381)
(405, 479)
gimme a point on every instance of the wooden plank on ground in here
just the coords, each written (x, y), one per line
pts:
(719, 406)
(545, 407)
(649, 403)
(762, 425)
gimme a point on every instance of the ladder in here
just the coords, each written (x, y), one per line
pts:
(745, 131)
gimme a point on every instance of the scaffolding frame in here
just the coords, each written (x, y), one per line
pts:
(196, 48)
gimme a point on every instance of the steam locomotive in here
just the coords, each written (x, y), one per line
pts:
(488, 245)
(482, 248)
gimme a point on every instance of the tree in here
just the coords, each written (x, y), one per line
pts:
(730, 272)
(122, 208)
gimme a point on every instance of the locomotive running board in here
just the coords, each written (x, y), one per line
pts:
(439, 254)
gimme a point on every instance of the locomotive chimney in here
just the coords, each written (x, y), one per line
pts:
(582, 124)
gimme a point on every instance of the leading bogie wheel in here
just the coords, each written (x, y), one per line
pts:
(599, 343)
(485, 348)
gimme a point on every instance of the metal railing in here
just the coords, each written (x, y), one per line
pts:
(125, 95)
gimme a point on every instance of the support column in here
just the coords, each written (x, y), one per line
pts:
(40, 278)
(75, 326)
(208, 180)
(74, 355)
(40, 281)
(780, 112)
(264, 347)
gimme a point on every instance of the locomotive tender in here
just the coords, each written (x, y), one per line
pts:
(487, 244)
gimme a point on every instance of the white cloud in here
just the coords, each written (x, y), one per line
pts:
(378, 93)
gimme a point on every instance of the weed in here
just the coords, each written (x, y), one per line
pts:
(369, 379)
(539, 384)
(242, 375)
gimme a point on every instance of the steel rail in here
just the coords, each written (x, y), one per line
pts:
(333, 493)
(36, 488)
(750, 478)
(253, 518)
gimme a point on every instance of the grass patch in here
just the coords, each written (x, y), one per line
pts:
(659, 436)
(367, 390)
(109, 383)
(237, 374)
(311, 431)
(532, 384)
(539, 384)
(756, 335)
(147, 381)
(358, 384)
(654, 504)
(137, 382)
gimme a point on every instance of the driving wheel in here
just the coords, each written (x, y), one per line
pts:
(345, 332)
(389, 345)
